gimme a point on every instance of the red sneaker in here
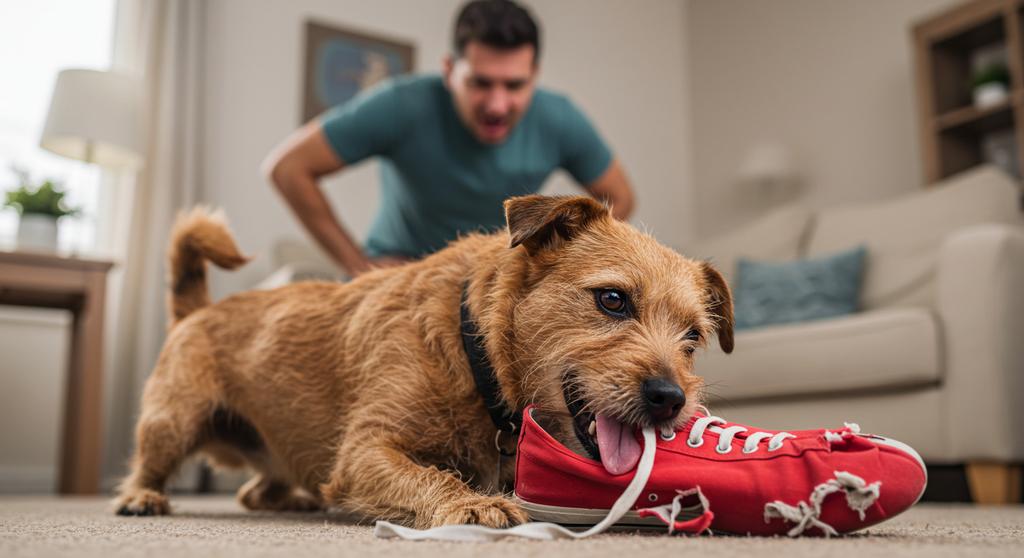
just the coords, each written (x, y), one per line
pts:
(728, 477)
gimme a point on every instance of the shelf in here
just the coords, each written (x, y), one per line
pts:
(976, 119)
(948, 48)
(977, 34)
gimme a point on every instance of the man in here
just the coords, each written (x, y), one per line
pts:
(453, 147)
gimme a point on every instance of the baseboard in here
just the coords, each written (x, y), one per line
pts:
(109, 484)
(43, 480)
(22, 479)
(16, 315)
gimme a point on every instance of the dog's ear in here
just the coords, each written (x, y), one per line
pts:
(546, 222)
(719, 304)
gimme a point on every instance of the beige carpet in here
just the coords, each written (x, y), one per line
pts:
(218, 527)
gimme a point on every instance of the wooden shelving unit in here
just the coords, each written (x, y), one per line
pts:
(976, 118)
(952, 129)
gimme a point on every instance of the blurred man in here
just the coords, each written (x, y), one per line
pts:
(452, 147)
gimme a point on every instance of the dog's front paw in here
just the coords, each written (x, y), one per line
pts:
(142, 502)
(490, 511)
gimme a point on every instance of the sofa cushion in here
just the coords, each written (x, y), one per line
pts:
(798, 291)
(868, 351)
(903, 236)
(774, 237)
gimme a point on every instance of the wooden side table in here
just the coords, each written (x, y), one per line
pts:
(78, 285)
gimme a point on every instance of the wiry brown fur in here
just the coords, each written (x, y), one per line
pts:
(197, 236)
(360, 394)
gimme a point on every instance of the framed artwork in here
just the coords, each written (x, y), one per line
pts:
(340, 63)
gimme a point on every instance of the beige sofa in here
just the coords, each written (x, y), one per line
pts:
(936, 356)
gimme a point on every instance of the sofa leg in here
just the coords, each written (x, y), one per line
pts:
(994, 483)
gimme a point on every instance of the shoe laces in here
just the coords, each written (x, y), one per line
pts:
(726, 434)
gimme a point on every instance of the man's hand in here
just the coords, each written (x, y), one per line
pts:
(295, 168)
(613, 188)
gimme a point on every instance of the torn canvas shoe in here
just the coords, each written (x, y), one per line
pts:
(730, 477)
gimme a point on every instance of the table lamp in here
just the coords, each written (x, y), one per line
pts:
(94, 117)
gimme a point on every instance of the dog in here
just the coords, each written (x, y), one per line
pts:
(365, 395)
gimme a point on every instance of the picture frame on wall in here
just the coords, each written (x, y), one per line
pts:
(341, 62)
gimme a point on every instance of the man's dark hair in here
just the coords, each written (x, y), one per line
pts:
(499, 24)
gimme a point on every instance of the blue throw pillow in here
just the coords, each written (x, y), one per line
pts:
(803, 290)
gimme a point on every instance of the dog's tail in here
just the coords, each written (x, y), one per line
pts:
(198, 235)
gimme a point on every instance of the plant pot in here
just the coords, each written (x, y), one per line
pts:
(37, 232)
(989, 94)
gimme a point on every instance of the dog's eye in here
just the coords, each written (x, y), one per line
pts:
(612, 302)
(694, 336)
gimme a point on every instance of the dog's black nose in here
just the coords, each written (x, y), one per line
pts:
(664, 398)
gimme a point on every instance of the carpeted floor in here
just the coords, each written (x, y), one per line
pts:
(216, 526)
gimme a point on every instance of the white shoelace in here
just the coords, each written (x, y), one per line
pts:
(533, 530)
(727, 434)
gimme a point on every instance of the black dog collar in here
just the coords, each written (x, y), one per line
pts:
(504, 419)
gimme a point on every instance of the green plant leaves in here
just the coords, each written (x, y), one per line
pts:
(44, 199)
(992, 73)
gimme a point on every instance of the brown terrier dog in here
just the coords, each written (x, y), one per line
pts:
(361, 395)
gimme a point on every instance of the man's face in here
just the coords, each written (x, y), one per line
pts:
(492, 88)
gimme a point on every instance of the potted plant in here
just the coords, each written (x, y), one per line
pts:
(990, 85)
(39, 208)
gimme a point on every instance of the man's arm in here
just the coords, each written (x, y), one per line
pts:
(613, 188)
(295, 167)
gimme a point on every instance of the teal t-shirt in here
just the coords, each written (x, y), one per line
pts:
(438, 180)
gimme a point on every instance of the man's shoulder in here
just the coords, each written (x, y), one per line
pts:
(398, 93)
(415, 86)
(550, 99)
(556, 108)
(415, 82)
(555, 111)
(396, 101)
(415, 96)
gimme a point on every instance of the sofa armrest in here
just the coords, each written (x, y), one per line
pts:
(980, 301)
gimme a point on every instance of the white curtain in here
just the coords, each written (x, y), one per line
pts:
(162, 42)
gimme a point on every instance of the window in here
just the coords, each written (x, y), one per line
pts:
(38, 39)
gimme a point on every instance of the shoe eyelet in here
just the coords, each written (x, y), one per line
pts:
(751, 450)
(700, 442)
(774, 448)
(652, 497)
(670, 437)
(722, 450)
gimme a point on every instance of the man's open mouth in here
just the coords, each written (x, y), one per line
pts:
(605, 438)
(493, 126)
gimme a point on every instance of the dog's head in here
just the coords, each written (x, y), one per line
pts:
(607, 325)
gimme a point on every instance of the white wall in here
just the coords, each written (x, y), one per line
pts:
(623, 62)
(833, 80)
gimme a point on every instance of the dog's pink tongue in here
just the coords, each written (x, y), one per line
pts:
(620, 450)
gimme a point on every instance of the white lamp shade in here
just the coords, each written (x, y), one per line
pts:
(95, 117)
